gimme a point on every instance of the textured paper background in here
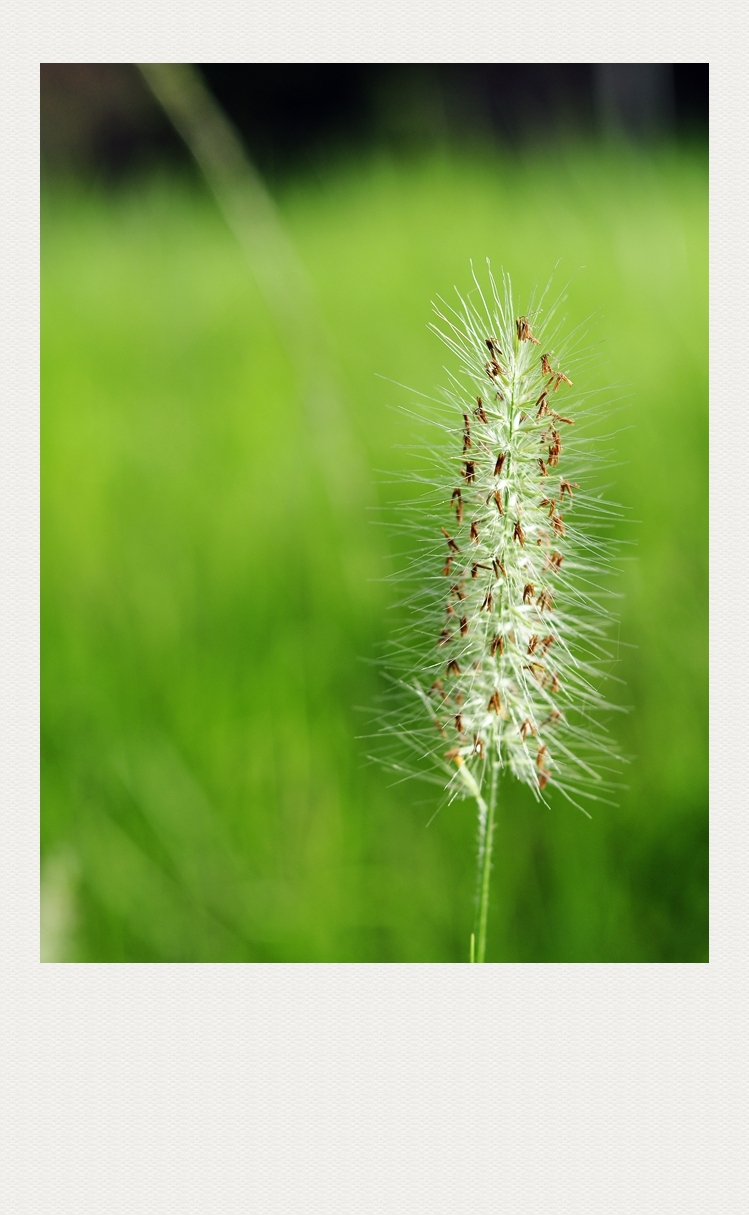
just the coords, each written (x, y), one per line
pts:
(219, 1088)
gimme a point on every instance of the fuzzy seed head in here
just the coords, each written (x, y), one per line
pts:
(514, 604)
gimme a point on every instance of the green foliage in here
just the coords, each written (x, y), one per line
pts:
(207, 625)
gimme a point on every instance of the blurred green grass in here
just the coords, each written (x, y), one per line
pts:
(206, 623)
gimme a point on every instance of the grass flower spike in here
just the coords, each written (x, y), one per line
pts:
(511, 624)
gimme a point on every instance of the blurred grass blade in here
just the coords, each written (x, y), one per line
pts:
(253, 217)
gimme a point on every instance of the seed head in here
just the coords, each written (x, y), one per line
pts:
(517, 684)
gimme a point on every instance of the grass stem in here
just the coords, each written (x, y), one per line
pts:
(485, 866)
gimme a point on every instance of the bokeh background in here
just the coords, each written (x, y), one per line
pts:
(214, 588)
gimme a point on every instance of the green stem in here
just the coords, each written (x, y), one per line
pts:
(486, 839)
(485, 863)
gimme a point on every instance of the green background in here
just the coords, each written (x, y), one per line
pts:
(209, 621)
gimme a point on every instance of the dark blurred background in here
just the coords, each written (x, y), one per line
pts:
(215, 436)
(99, 119)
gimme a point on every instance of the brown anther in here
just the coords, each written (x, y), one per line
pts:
(498, 567)
(555, 561)
(498, 501)
(474, 532)
(546, 365)
(452, 667)
(524, 331)
(559, 377)
(457, 590)
(532, 643)
(459, 723)
(488, 603)
(558, 418)
(542, 405)
(544, 600)
(497, 645)
(550, 502)
(543, 780)
(527, 728)
(454, 755)
(500, 463)
(457, 498)
(478, 746)
(546, 642)
(476, 567)
(540, 755)
(494, 705)
(493, 369)
(463, 625)
(466, 432)
(448, 563)
(528, 592)
(492, 345)
(542, 466)
(479, 411)
(558, 525)
(566, 487)
(469, 472)
(555, 447)
(450, 542)
(518, 533)
(437, 687)
(458, 698)
(440, 727)
(445, 637)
